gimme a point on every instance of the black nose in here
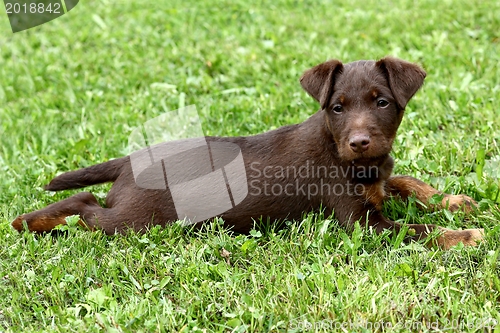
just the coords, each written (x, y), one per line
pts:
(359, 142)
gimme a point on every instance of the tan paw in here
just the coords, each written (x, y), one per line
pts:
(37, 223)
(18, 223)
(456, 202)
(469, 237)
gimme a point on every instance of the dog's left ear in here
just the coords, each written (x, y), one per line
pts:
(319, 80)
(404, 78)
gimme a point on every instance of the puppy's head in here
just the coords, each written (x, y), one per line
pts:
(363, 102)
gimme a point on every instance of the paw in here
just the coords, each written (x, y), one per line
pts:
(18, 223)
(37, 223)
(469, 237)
(457, 202)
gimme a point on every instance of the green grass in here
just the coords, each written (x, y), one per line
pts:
(72, 90)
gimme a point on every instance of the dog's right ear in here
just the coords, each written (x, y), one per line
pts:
(319, 80)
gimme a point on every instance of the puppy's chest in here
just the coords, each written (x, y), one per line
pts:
(374, 194)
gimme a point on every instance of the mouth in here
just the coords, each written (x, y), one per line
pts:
(375, 154)
(369, 160)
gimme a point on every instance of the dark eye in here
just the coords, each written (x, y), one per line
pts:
(337, 108)
(382, 103)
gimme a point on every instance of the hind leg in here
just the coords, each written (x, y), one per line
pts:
(83, 204)
(406, 186)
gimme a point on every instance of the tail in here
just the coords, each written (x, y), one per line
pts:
(96, 174)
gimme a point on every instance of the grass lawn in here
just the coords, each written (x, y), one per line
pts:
(72, 90)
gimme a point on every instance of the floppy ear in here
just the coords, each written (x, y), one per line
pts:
(404, 78)
(319, 80)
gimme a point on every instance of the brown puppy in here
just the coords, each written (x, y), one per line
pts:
(337, 159)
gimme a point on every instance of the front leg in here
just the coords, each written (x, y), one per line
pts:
(446, 237)
(368, 211)
(406, 186)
